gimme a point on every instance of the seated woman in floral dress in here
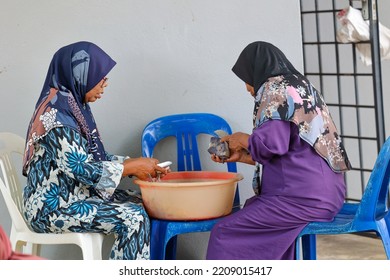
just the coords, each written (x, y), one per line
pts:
(72, 182)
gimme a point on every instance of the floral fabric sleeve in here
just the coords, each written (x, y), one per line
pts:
(69, 149)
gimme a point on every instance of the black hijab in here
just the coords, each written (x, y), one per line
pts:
(260, 61)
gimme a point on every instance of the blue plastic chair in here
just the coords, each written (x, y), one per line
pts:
(185, 128)
(370, 215)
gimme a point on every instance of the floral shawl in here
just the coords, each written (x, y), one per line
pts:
(294, 99)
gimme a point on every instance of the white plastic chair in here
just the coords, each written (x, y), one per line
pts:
(12, 145)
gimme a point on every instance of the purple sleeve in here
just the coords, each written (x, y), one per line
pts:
(269, 140)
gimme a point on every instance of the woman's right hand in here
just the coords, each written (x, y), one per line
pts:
(238, 145)
(143, 168)
(235, 156)
(237, 141)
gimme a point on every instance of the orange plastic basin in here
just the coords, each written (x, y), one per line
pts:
(190, 195)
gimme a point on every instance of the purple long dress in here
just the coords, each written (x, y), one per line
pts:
(298, 187)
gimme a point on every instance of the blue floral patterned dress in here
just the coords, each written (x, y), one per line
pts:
(68, 191)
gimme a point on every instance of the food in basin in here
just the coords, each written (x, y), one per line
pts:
(190, 195)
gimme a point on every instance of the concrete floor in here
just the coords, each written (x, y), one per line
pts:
(349, 247)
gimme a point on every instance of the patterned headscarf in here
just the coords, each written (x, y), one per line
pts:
(283, 93)
(74, 70)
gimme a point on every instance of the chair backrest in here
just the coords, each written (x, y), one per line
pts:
(11, 146)
(375, 197)
(185, 128)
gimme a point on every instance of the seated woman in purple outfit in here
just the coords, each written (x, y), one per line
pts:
(298, 156)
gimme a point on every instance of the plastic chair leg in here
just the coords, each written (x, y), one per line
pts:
(28, 248)
(309, 247)
(170, 251)
(157, 241)
(90, 253)
(384, 232)
(91, 246)
(18, 246)
(37, 249)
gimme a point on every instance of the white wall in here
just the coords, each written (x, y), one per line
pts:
(173, 57)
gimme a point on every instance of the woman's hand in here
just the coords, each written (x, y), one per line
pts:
(143, 168)
(238, 148)
(235, 156)
(237, 141)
